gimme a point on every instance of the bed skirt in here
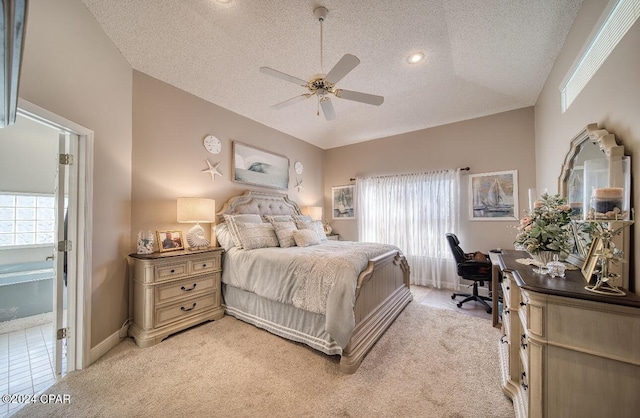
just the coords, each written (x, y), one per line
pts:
(285, 321)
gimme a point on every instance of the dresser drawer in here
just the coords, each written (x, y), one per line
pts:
(205, 264)
(185, 309)
(185, 288)
(171, 271)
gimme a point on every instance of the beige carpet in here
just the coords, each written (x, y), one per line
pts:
(430, 363)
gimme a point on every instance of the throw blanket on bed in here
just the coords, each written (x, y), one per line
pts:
(319, 278)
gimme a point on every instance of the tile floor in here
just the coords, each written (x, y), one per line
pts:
(26, 364)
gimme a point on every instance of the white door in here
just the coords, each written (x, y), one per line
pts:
(65, 210)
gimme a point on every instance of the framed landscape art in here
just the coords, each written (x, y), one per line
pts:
(259, 167)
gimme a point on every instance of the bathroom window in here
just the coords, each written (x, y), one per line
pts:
(26, 219)
(616, 20)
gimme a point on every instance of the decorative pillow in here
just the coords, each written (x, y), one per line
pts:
(256, 235)
(231, 220)
(284, 232)
(305, 218)
(223, 235)
(315, 226)
(278, 218)
(305, 237)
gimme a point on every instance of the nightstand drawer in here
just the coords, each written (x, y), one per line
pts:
(187, 308)
(170, 271)
(185, 288)
(205, 264)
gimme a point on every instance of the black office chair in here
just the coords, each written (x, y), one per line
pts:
(470, 268)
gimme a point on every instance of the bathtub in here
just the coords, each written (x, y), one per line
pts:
(26, 289)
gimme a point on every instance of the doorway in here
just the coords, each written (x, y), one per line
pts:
(43, 333)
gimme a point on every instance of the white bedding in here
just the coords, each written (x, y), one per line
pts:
(320, 278)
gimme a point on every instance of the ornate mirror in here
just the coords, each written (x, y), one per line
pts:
(589, 144)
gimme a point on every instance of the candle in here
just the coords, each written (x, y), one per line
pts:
(607, 199)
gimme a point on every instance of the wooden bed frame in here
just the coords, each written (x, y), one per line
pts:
(382, 290)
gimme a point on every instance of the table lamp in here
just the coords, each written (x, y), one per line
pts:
(196, 210)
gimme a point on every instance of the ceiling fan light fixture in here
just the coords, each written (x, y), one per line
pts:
(415, 57)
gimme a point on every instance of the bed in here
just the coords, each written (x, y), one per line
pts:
(339, 307)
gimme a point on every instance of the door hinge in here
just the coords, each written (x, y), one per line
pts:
(64, 246)
(61, 334)
(66, 159)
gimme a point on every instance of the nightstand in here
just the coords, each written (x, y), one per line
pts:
(334, 237)
(173, 291)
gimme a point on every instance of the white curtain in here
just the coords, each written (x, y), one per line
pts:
(413, 212)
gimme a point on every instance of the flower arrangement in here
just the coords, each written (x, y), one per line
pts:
(547, 227)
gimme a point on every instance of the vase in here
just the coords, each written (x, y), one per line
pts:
(541, 258)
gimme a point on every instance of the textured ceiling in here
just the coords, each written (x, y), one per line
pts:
(482, 57)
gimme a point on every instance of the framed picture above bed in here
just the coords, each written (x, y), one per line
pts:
(343, 202)
(259, 167)
(493, 196)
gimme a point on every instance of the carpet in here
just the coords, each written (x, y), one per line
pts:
(430, 363)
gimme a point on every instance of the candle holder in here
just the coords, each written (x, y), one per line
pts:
(606, 254)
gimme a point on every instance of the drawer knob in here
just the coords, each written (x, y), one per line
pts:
(204, 265)
(524, 385)
(189, 290)
(508, 288)
(173, 271)
(183, 309)
(523, 338)
(522, 304)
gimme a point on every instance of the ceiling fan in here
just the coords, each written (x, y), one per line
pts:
(322, 85)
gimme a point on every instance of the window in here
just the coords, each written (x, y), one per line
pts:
(413, 212)
(616, 21)
(26, 219)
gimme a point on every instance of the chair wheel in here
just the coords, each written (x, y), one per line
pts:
(453, 296)
(460, 305)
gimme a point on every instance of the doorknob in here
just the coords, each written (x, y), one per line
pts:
(49, 258)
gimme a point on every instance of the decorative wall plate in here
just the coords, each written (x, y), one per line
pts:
(298, 167)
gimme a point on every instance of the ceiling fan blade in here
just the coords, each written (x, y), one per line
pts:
(283, 76)
(327, 109)
(291, 101)
(347, 63)
(356, 96)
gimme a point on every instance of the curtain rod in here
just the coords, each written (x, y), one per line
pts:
(409, 174)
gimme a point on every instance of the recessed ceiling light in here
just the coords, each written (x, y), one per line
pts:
(415, 58)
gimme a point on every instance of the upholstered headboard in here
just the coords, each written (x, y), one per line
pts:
(260, 203)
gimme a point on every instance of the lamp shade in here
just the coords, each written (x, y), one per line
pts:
(196, 209)
(314, 211)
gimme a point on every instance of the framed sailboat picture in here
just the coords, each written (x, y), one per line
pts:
(493, 196)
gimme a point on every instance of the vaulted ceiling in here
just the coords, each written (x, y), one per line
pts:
(482, 57)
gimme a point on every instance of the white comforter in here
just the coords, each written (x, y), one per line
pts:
(319, 278)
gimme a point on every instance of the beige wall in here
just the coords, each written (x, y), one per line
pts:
(168, 156)
(504, 141)
(611, 99)
(72, 69)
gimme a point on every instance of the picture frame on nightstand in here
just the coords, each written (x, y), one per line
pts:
(170, 240)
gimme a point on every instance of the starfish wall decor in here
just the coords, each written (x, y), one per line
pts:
(213, 170)
(299, 185)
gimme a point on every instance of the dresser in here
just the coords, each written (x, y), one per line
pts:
(567, 352)
(173, 291)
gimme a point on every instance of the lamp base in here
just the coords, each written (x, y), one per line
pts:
(196, 238)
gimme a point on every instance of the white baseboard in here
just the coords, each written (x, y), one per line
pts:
(103, 347)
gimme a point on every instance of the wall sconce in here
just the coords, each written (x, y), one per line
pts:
(196, 210)
(14, 19)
